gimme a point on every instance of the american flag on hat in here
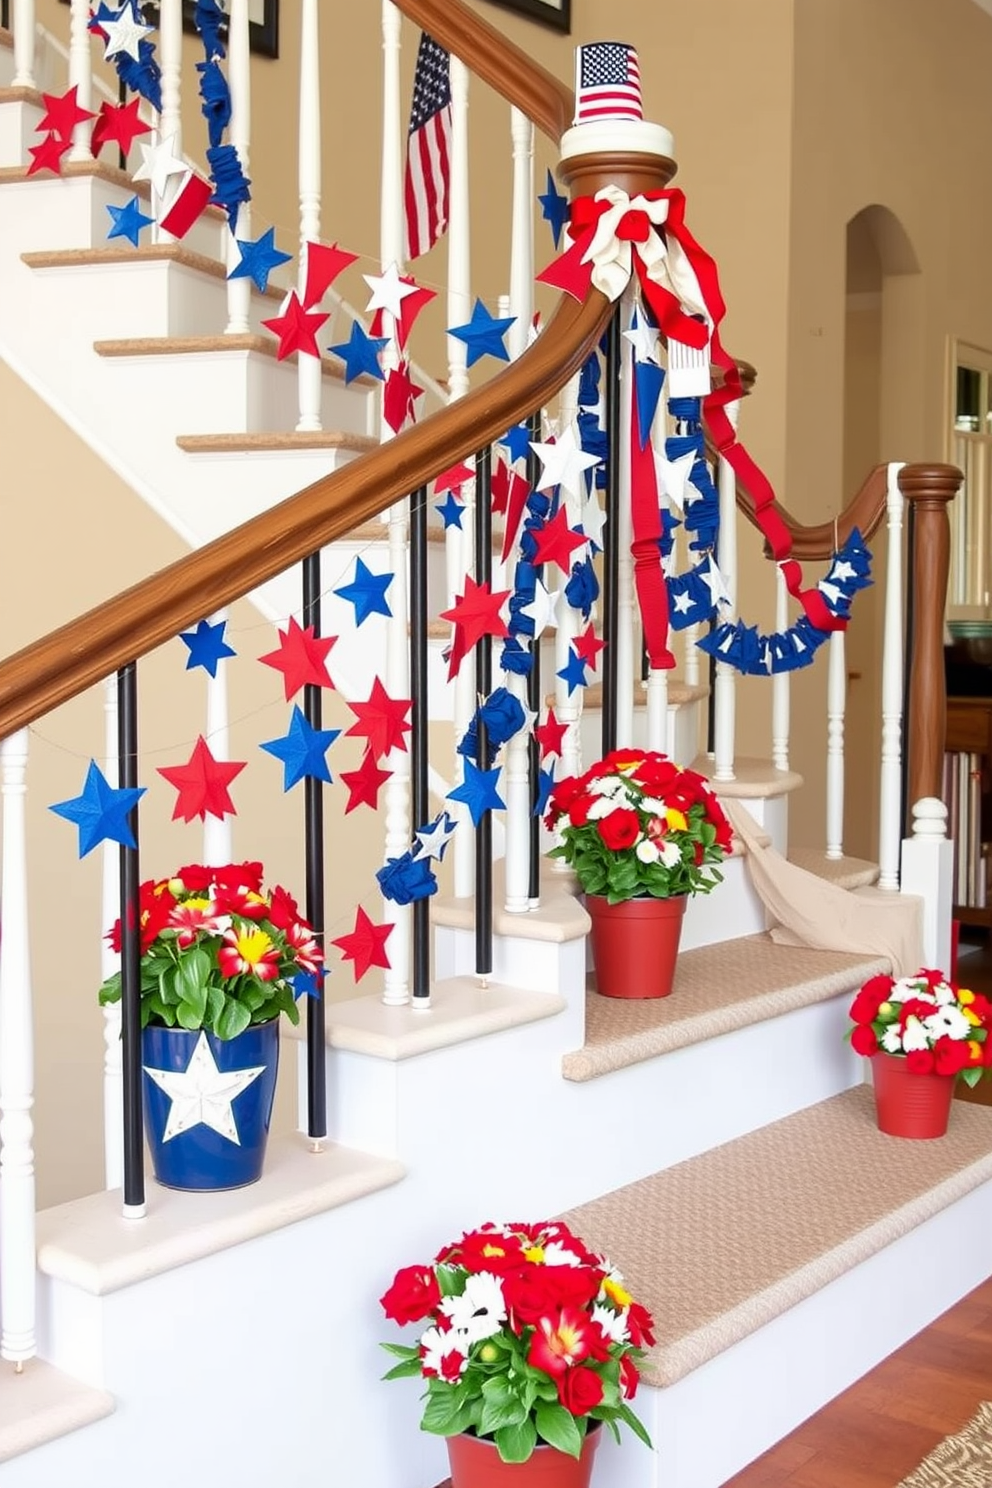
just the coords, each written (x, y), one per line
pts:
(428, 149)
(607, 83)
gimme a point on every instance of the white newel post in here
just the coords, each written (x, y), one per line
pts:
(309, 371)
(217, 832)
(170, 50)
(836, 707)
(396, 984)
(725, 678)
(24, 34)
(927, 870)
(239, 135)
(517, 792)
(81, 77)
(110, 961)
(890, 792)
(17, 1210)
(781, 687)
(568, 707)
(628, 664)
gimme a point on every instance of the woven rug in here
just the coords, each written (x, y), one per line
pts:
(961, 1461)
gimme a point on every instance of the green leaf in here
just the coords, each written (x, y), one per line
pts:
(515, 1443)
(111, 990)
(407, 1370)
(189, 1017)
(447, 1414)
(234, 1019)
(558, 1427)
(971, 1077)
(494, 1417)
(191, 977)
(451, 1281)
(215, 1004)
(627, 1416)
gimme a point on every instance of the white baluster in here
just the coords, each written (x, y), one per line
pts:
(836, 706)
(17, 1212)
(692, 673)
(170, 124)
(516, 781)
(628, 666)
(890, 791)
(725, 680)
(217, 842)
(239, 135)
(396, 989)
(24, 35)
(81, 76)
(110, 961)
(308, 368)
(568, 709)
(781, 685)
(927, 871)
(660, 723)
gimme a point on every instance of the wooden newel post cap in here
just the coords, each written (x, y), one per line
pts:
(930, 485)
(636, 156)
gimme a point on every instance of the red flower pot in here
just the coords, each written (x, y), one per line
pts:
(475, 1463)
(635, 944)
(909, 1105)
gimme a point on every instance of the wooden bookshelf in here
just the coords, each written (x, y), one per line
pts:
(969, 731)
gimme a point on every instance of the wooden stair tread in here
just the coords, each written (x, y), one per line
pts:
(845, 872)
(202, 345)
(679, 694)
(326, 439)
(73, 169)
(41, 1404)
(718, 989)
(754, 779)
(74, 258)
(719, 1245)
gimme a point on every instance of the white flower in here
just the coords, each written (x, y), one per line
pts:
(943, 994)
(613, 1324)
(480, 1311)
(914, 1035)
(609, 785)
(437, 1347)
(604, 806)
(647, 850)
(556, 1254)
(653, 806)
(891, 1041)
(670, 854)
(949, 1020)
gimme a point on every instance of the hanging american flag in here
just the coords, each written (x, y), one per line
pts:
(428, 150)
(607, 83)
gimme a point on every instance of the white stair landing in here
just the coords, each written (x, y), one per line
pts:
(41, 1404)
(762, 1261)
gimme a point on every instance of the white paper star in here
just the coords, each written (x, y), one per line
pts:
(158, 163)
(388, 292)
(673, 476)
(124, 34)
(682, 603)
(643, 338)
(713, 579)
(564, 463)
(541, 608)
(593, 519)
(843, 570)
(202, 1094)
(830, 592)
(434, 839)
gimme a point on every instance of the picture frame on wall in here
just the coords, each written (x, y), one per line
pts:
(263, 22)
(555, 13)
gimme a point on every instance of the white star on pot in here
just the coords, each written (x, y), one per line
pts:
(541, 608)
(564, 463)
(202, 1094)
(434, 839)
(713, 579)
(124, 34)
(643, 337)
(388, 292)
(674, 477)
(158, 163)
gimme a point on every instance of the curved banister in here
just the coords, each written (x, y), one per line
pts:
(866, 511)
(68, 660)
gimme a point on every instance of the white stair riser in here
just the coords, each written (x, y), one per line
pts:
(729, 911)
(684, 719)
(18, 123)
(518, 961)
(772, 815)
(716, 1420)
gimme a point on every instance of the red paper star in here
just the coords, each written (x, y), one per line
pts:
(48, 155)
(519, 490)
(323, 265)
(118, 123)
(202, 784)
(410, 308)
(366, 945)
(474, 615)
(588, 645)
(364, 783)
(500, 487)
(556, 542)
(382, 721)
(453, 479)
(569, 272)
(296, 328)
(400, 397)
(62, 114)
(301, 658)
(550, 735)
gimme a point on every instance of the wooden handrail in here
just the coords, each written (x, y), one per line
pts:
(866, 511)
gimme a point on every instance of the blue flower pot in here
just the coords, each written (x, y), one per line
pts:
(208, 1104)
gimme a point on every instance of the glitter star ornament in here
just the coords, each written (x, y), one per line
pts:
(100, 812)
(202, 1094)
(202, 784)
(301, 657)
(365, 946)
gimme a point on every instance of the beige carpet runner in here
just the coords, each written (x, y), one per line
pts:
(961, 1461)
(718, 1246)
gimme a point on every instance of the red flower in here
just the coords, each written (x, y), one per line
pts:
(864, 1008)
(629, 1377)
(155, 904)
(951, 1056)
(284, 912)
(580, 1390)
(248, 953)
(920, 1062)
(578, 811)
(302, 942)
(537, 1291)
(863, 1040)
(656, 773)
(484, 1250)
(412, 1296)
(560, 1340)
(620, 829)
(640, 1326)
(619, 761)
(247, 903)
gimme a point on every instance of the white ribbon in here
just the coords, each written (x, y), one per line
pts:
(666, 265)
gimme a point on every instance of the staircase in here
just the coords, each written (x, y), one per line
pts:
(719, 1145)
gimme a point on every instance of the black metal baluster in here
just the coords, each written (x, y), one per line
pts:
(483, 687)
(420, 984)
(5, 14)
(314, 850)
(127, 765)
(611, 554)
(121, 99)
(534, 699)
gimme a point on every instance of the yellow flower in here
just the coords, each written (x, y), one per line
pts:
(535, 1253)
(617, 1293)
(966, 996)
(976, 1048)
(676, 820)
(973, 1018)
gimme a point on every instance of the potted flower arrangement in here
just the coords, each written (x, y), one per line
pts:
(528, 1342)
(219, 956)
(920, 1033)
(641, 835)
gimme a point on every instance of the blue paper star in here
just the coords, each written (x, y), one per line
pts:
(101, 812)
(367, 592)
(545, 785)
(451, 510)
(308, 983)
(360, 353)
(574, 671)
(648, 380)
(302, 751)
(128, 221)
(207, 646)
(554, 208)
(478, 791)
(517, 441)
(483, 334)
(258, 259)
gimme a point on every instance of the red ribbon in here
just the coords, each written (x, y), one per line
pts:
(649, 579)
